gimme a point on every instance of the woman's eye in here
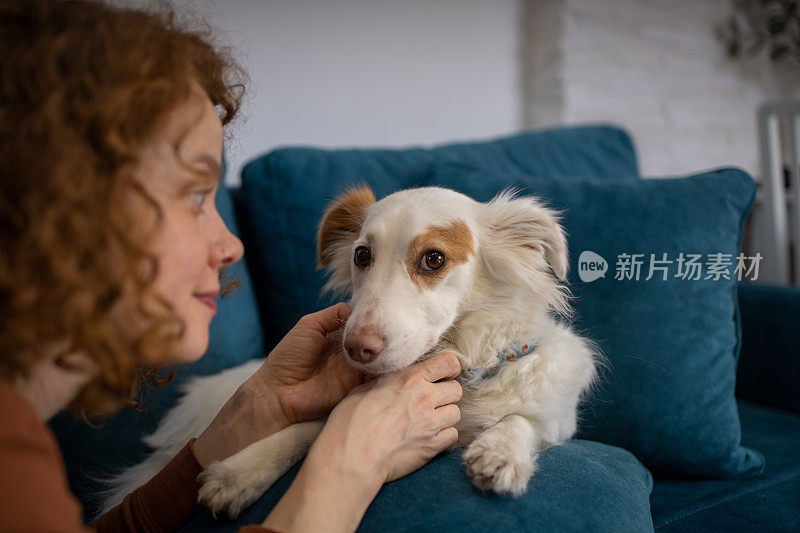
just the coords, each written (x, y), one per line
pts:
(432, 260)
(199, 198)
(362, 257)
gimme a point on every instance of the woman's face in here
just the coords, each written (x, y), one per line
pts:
(192, 242)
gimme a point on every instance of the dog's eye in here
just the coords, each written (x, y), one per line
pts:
(362, 257)
(432, 260)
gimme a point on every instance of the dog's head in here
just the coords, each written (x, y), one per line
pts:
(418, 259)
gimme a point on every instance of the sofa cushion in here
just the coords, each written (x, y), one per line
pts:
(769, 365)
(98, 452)
(579, 486)
(768, 503)
(285, 192)
(667, 391)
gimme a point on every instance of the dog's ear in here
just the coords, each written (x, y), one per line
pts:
(342, 222)
(525, 242)
(338, 229)
(524, 223)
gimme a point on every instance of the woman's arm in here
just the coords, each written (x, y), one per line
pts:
(303, 377)
(250, 415)
(326, 495)
(163, 504)
(169, 500)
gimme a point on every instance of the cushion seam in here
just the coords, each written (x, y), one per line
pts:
(737, 312)
(783, 479)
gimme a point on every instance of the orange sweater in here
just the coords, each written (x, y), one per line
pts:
(35, 495)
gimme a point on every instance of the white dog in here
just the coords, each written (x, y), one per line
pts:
(428, 270)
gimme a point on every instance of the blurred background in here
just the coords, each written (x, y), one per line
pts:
(685, 77)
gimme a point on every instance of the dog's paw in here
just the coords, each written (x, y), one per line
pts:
(494, 462)
(225, 490)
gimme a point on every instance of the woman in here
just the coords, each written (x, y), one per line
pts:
(111, 254)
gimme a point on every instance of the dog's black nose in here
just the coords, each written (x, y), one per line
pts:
(363, 347)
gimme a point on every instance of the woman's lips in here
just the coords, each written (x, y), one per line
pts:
(208, 299)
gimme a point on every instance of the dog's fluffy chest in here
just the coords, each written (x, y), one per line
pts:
(498, 375)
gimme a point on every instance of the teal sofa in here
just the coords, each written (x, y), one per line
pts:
(592, 483)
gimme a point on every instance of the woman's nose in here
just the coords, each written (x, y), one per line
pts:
(228, 249)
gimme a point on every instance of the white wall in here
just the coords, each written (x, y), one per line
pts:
(397, 72)
(655, 67)
(371, 72)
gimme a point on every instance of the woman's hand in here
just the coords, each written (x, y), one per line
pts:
(383, 430)
(303, 378)
(307, 372)
(396, 423)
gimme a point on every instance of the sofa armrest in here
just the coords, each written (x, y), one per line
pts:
(769, 361)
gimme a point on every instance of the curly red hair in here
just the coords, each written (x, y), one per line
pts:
(83, 87)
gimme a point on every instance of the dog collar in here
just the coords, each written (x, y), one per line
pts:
(516, 350)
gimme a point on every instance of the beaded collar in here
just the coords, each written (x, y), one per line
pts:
(516, 350)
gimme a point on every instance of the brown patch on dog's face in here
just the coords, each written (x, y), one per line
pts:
(454, 241)
(342, 222)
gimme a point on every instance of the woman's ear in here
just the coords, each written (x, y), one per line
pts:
(338, 228)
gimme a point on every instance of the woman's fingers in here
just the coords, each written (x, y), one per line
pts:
(445, 438)
(329, 320)
(448, 415)
(448, 392)
(441, 366)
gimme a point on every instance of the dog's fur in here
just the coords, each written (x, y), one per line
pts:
(501, 282)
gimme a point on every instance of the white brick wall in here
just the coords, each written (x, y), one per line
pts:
(654, 67)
